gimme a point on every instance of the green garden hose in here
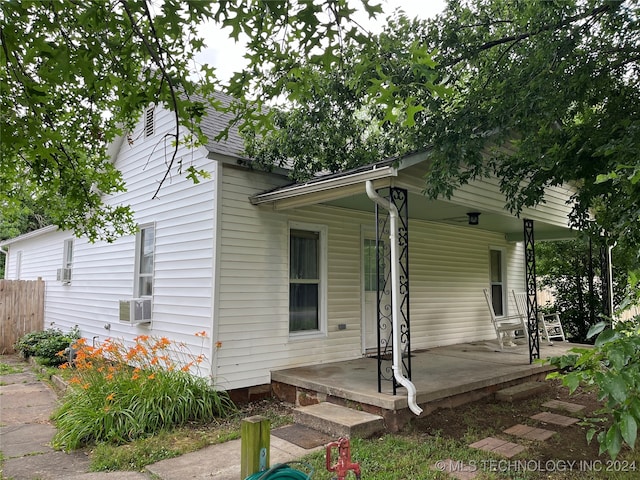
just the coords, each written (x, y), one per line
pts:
(282, 471)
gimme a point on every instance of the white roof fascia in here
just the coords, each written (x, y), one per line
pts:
(26, 236)
(113, 148)
(323, 185)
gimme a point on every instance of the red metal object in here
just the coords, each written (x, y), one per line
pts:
(344, 464)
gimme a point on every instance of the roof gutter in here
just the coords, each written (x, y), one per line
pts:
(323, 185)
(34, 233)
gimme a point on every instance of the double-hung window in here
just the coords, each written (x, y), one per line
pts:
(307, 279)
(67, 254)
(498, 276)
(64, 273)
(145, 247)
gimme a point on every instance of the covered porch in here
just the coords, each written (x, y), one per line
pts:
(443, 376)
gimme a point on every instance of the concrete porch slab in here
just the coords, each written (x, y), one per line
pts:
(438, 374)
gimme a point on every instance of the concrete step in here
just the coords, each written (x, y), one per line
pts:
(338, 421)
(520, 391)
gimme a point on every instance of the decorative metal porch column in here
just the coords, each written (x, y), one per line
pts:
(605, 280)
(399, 198)
(532, 290)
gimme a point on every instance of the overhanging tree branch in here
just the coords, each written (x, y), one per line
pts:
(523, 36)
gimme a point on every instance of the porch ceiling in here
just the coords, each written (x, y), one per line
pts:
(442, 211)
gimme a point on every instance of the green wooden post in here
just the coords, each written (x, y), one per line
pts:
(255, 436)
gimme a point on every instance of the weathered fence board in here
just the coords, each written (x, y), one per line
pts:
(21, 310)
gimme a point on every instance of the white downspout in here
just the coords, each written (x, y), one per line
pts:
(395, 294)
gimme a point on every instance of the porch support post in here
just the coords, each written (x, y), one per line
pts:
(605, 275)
(381, 286)
(532, 290)
(397, 197)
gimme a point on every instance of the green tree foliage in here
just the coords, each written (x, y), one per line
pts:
(362, 112)
(538, 93)
(613, 369)
(572, 270)
(74, 75)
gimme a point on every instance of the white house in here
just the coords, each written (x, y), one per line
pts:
(281, 275)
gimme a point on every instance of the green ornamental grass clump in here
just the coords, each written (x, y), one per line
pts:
(122, 393)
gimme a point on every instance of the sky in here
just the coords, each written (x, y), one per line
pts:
(227, 56)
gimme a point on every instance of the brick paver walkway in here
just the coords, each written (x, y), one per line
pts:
(499, 446)
(508, 449)
(530, 433)
(566, 406)
(548, 417)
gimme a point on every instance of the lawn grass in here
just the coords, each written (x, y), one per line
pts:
(418, 452)
(172, 443)
(7, 369)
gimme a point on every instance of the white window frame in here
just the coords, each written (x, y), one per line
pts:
(138, 255)
(322, 231)
(503, 279)
(67, 253)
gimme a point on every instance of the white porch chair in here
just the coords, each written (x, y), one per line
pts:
(548, 323)
(507, 326)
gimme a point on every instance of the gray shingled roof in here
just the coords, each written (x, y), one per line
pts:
(214, 122)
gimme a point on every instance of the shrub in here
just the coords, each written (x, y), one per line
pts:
(613, 368)
(48, 345)
(120, 394)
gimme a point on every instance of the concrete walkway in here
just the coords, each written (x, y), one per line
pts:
(26, 404)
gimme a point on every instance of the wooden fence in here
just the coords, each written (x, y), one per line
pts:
(21, 310)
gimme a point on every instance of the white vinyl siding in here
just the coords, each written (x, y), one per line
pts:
(243, 302)
(449, 267)
(104, 273)
(483, 195)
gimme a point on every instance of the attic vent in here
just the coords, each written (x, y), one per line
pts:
(148, 122)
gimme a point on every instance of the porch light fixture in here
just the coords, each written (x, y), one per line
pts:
(474, 218)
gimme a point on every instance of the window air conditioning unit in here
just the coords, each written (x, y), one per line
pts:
(135, 310)
(63, 275)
